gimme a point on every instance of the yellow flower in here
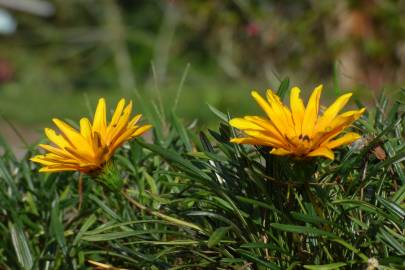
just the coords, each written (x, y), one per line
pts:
(299, 132)
(90, 148)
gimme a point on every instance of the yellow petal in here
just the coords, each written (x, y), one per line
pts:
(52, 159)
(269, 128)
(281, 112)
(120, 126)
(280, 152)
(86, 129)
(118, 141)
(244, 124)
(41, 160)
(71, 135)
(311, 112)
(252, 141)
(332, 111)
(129, 134)
(100, 120)
(58, 169)
(80, 155)
(55, 138)
(56, 151)
(264, 137)
(297, 109)
(275, 119)
(118, 112)
(134, 120)
(338, 124)
(141, 130)
(345, 139)
(322, 152)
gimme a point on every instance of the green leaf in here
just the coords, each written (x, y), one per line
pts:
(124, 234)
(301, 229)
(57, 227)
(308, 218)
(218, 113)
(392, 207)
(182, 131)
(325, 266)
(394, 243)
(86, 225)
(21, 247)
(254, 258)
(283, 88)
(178, 161)
(217, 236)
(368, 208)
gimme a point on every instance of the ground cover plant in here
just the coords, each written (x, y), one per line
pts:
(186, 198)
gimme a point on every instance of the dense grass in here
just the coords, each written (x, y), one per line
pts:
(191, 200)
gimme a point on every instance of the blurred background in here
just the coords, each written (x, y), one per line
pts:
(58, 57)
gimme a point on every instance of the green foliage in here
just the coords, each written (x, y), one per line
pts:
(192, 200)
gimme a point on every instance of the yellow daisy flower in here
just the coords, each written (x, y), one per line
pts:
(299, 132)
(88, 149)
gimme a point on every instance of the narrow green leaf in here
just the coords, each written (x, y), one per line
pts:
(86, 225)
(367, 207)
(178, 161)
(218, 113)
(182, 131)
(254, 258)
(330, 266)
(57, 227)
(308, 218)
(124, 234)
(217, 236)
(392, 207)
(21, 247)
(394, 243)
(301, 229)
(283, 88)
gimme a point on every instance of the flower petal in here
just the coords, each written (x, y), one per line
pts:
(264, 137)
(322, 152)
(56, 138)
(282, 112)
(280, 152)
(332, 111)
(252, 141)
(267, 126)
(311, 112)
(58, 169)
(75, 139)
(117, 113)
(279, 124)
(297, 109)
(86, 129)
(100, 117)
(134, 120)
(338, 124)
(345, 139)
(57, 151)
(244, 124)
(140, 130)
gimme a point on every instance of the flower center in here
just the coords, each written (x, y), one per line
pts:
(301, 145)
(304, 138)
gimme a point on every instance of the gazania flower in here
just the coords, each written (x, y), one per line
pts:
(88, 149)
(299, 132)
